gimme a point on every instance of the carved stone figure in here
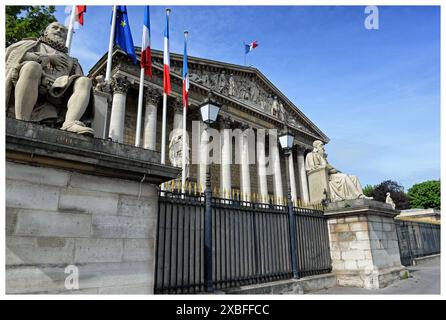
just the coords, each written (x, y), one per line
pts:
(222, 83)
(205, 79)
(282, 113)
(232, 86)
(101, 85)
(262, 100)
(214, 81)
(269, 104)
(43, 83)
(342, 186)
(194, 77)
(275, 107)
(176, 151)
(389, 200)
(253, 90)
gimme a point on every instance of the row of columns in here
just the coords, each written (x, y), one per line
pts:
(120, 86)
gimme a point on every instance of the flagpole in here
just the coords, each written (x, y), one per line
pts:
(70, 28)
(183, 162)
(164, 122)
(139, 116)
(109, 63)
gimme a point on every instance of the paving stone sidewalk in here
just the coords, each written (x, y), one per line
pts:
(424, 279)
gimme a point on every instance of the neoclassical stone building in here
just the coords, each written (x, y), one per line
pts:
(249, 101)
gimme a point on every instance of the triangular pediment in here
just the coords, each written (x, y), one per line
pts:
(245, 85)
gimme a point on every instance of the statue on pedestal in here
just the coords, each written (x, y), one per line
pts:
(45, 84)
(341, 186)
(389, 200)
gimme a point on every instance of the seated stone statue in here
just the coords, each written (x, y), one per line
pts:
(341, 186)
(45, 84)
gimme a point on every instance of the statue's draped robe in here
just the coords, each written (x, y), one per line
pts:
(342, 186)
(58, 83)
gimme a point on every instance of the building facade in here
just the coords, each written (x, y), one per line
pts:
(250, 103)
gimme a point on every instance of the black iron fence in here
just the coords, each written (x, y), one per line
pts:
(417, 239)
(250, 243)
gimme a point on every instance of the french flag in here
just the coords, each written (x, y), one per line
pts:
(185, 74)
(251, 46)
(146, 56)
(166, 78)
(80, 10)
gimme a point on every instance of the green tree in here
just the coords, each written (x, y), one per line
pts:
(368, 190)
(397, 194)
(27, 21)
(425, 195)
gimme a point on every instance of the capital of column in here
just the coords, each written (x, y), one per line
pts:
(120, 84)
(300, 149)
(152, 95)
(226, 122)
(177, 105)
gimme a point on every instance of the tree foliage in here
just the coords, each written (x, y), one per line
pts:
(425, 195)
(368, 189)
(27, 21)
(397, 194)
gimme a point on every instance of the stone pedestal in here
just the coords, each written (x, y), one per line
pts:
(101, 106)
(363, 243)
(79, 208)
(317, 183)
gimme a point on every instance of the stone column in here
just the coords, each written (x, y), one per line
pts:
(364, 243)
(261, 165)
(152, 97)
(292, 178)
(120, 86)
(277, 172)
(303, 182)
(226, 157)
(178, 116)
(245, 178)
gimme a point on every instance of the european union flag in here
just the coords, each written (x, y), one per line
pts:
(123, 35)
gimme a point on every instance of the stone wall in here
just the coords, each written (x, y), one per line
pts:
(55, 218)
(364, 243)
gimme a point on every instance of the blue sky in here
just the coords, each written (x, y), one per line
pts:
(375, 93)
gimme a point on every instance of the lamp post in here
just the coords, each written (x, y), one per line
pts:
(286, 140)
(209, 112)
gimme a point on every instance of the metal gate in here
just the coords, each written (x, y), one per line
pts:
(417, 239)
(250, 243)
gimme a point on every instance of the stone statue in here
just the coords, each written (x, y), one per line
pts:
(214, 81)
(205, 79)
(389, 200)
(45, 84)
(275, 107)
(194, 77)
(341, 185)
(253, 90)
(232, 86)
(222, 82)
(282, 113)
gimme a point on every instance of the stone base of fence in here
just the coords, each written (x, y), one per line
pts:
(290, 286)
(364, 243)
(422, 260)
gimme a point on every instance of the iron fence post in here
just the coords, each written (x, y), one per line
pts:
(208, 283)
(292, 225)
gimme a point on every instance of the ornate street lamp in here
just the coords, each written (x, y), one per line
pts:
(286, 140)
(209, 112)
